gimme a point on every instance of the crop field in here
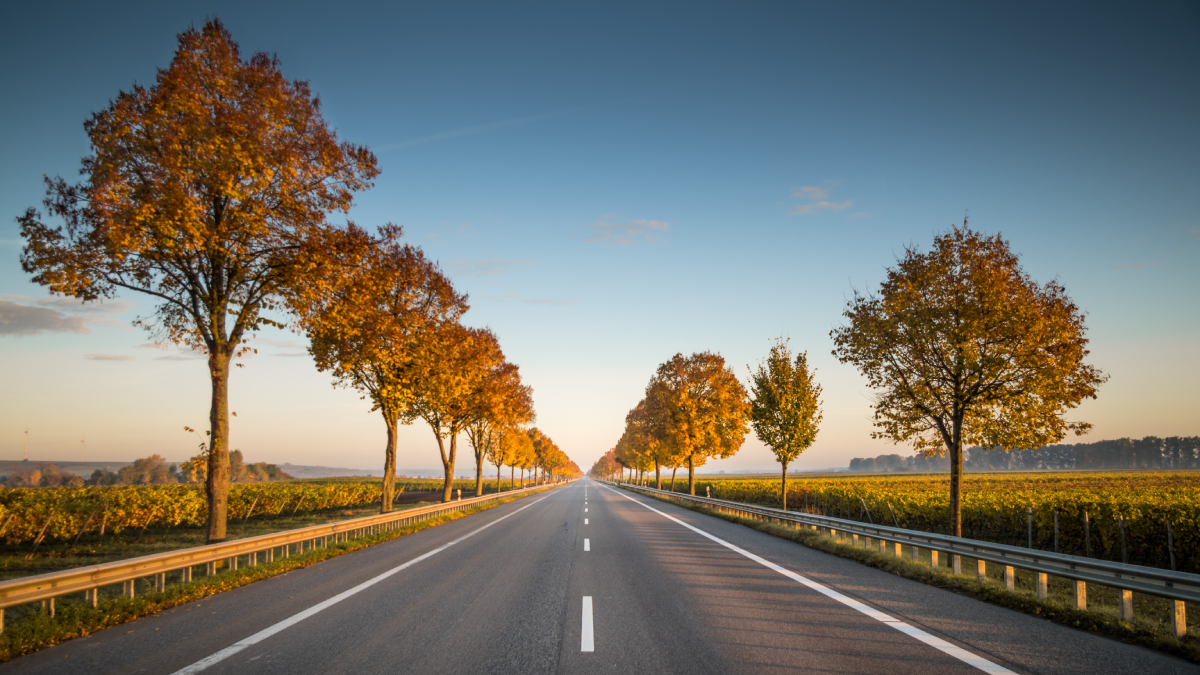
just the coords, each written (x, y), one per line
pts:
(71, 513)
(1114, 515)
(147, 519)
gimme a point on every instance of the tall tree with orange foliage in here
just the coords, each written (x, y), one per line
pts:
(208, 191)
(699, 406)
(964, 347)
(448, 375)
(501, 403)
(374, 322)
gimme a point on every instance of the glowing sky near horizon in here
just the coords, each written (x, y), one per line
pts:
(615, 184)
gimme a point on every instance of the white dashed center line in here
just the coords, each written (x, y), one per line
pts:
(587, 544)
(585, 521)
(586, 641)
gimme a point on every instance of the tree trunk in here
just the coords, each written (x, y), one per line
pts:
(673, 470)
(512, 476)
(691, 476)
(785, 486)
(479, 472)
(956, 477)
(448, 461)
(217, 483)
(657, 477)
(389, 466)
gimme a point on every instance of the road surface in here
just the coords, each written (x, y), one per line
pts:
(588, 579)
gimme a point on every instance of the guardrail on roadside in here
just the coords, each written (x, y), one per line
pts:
(89, 580)
(1175, 586)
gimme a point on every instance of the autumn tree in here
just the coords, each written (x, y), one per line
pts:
(700, 407)
(785, 405)
(371, 324)
(448, 374)
(501, 402)
(963, 346)
(524, 455)
(209, 192)
(511, 445)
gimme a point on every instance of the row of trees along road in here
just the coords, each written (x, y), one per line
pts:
(210, 191)
(696, 409)
(961, 346)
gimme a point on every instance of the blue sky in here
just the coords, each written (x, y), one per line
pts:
(616, 183)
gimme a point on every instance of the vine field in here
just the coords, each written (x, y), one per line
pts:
(1118, 516)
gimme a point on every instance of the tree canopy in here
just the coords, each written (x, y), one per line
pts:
(785, 408)
(962, 346)
(699, 407)
(208, 191)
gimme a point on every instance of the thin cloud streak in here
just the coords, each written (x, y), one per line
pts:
(108, 357)
(487, 267)
(607, 233)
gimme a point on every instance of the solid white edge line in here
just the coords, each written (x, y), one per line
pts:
(297, 618)
(912, 631)
(587, 641)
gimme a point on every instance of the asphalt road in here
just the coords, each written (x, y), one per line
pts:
(509, 590)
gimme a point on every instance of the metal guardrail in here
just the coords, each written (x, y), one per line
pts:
(1175, 586)
(47, 587)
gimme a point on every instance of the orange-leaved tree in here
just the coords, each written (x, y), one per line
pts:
(785, 410)
(964, 347)
(447, 376)
(700, 407)
(501, 403)
(209, 192)
(374, 321)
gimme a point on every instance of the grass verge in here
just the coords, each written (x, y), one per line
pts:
(34, 629)
(1143, 631)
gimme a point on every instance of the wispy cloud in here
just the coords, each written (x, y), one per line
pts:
(817, 198)
(192, 356)
(608, 233)
(468, 131)
(108, 357)
(487, 267)
(21, 320)
(859, 214)
(1133, 265)
(289, 355)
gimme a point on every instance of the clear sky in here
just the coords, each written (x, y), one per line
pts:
(616, 183)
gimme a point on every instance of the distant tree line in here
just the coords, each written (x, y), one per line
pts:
(152, 470)
(1151, 452)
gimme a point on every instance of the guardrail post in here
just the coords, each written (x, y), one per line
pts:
(916, 553)
(933, 558)
(252, 559)
(51, 608)
(1010, 578)
(269, 555)
(90, 596)
(899, 550)
(956, 563)
(981, 570)
(210, 568)
(1043, 585)
(1126, 604)
(855, 540)
(1080, 595)
(127, 588)
(1, 621)
(185, 574)
(160, 582)
(882, 547)
(1178, 618)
